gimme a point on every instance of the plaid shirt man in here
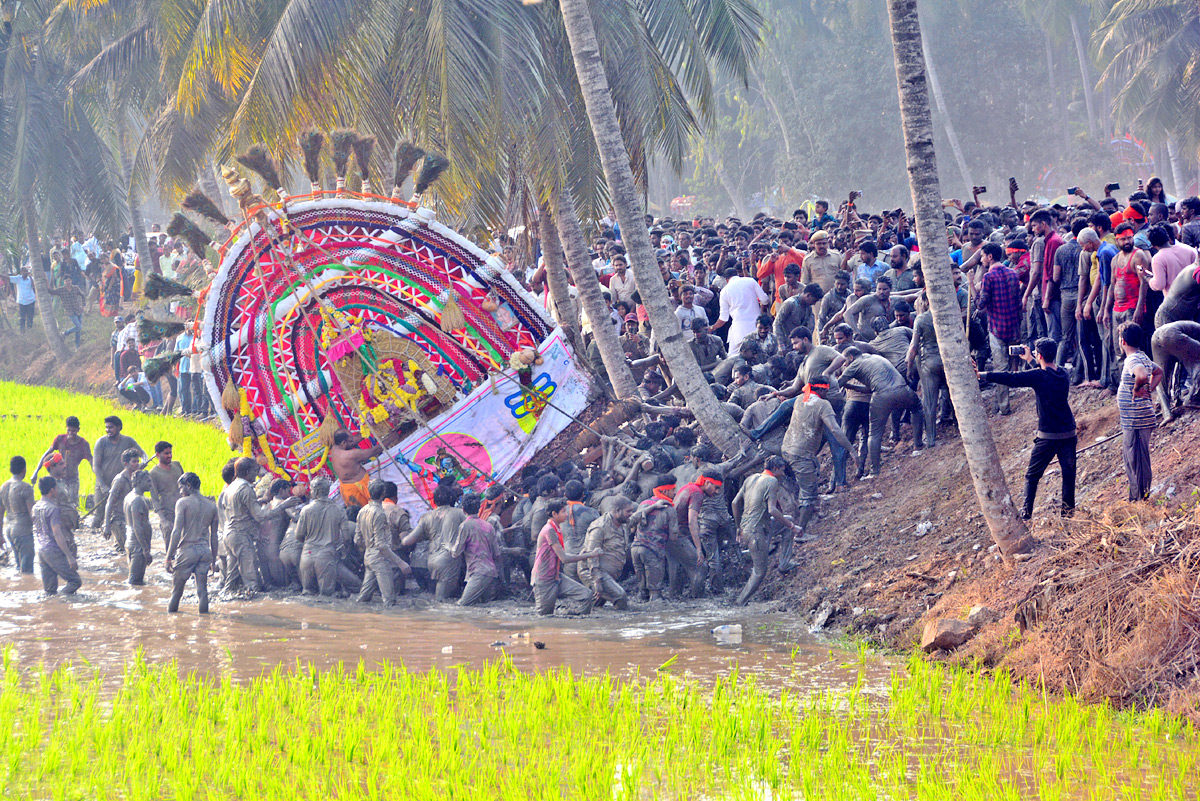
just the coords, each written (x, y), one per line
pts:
(1001, 299)
(71, 298)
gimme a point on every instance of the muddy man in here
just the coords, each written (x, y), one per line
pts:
(193, 548)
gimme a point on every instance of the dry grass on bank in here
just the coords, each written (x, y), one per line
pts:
(1110, 610)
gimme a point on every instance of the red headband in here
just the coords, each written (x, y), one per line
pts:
(661, 493)
(700, 482)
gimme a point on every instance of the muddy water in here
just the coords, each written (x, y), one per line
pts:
(108, 622)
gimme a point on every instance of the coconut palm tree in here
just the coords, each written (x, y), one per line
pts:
(982, 457)
(591, 72)
(1152, 52)
(53, 165)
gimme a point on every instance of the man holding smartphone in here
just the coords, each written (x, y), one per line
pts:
(1056, 436)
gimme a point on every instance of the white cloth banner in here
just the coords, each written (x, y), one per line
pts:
(491, 434)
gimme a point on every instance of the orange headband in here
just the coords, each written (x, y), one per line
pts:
(661, 493)
(808, 388)
(700, 482)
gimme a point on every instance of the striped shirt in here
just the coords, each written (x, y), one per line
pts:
(1135, 412)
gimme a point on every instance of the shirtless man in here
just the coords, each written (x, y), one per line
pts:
(137, 525)
(346, 460)
(107, 461)
(16, 515)
(654, 524)
(164, 488)
(756, 501)
(889, 392)
(812, 419)
(119, 487)
(1182, 301)
(690, 552)
(193, 548)
(1174, 345)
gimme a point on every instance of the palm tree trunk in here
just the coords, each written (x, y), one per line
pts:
(1085, 74)
(1056, 104)
(40, 285)
(556, 274)
(588, 285)
(736, 196)
(936, 86)
(712, 417)
(982, 457)
(136, 220)
(1177, 174)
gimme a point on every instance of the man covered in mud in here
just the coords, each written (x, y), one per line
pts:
(889, 392)
(607, 536)
(550, 583)
(438, 527)
(108, 460)
(243, 516)
(137, 525)
(16, 515)
(192, 552)
(478, 541)
(164, 488)
(73, 449)
(812, 420)
(56, 559)
(654, 524)
(346, 460)
(122, 483)
(271, 534)
(579, 517)
(690, 549)
(756, 504)
(374, 532)
(1176, 349)
(319, 531)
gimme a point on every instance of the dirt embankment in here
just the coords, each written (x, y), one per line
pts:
(26, 358)
(1107, 605)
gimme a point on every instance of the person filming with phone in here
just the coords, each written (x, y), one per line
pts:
(1055, 436)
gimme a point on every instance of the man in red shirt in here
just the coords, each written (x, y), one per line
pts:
(1126, 296)
(74, 449)
(1042, 223)
(772, 266)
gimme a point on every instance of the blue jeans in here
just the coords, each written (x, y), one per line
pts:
(185, 393)
(1053, 317)
(780, 415)
(156, 397)
(76, 327)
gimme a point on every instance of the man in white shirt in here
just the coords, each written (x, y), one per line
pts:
(621, 286)
(688, 311)
(742, 300)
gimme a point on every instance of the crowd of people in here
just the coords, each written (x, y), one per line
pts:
(814, 332)
(86, 276)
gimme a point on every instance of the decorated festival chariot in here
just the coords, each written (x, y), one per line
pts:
(340, 310)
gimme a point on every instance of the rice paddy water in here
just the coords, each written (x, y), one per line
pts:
(108, 697)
